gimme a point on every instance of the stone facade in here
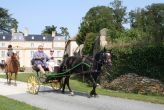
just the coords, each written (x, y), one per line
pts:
(27, 45)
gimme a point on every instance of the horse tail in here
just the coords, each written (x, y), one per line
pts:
(2, 66)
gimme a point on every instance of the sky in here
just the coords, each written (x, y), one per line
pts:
(36, 14)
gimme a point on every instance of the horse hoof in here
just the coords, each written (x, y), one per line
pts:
(89, 96)
(72, 93)
(62, 92)
(95, 96)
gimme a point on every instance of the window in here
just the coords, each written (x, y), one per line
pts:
(2, 54)
(32, 53)
(32, 37)
(59, 54)
(2, 44)
(4, 37)
(58, 44)
(32, 44)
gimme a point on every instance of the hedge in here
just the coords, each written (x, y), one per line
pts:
(145, 61)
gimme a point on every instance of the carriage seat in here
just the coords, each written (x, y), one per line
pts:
(35, 68)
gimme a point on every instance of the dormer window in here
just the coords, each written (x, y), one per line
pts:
(32, 37)
(4, 37)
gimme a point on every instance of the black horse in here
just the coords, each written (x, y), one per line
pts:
(89, 65)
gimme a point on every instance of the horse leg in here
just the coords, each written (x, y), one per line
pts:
(93, 79)
(15, 79)
(67, 82)
(7, 78)
(63, 88)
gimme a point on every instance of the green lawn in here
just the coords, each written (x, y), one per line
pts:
(83, 87)
(10, 104)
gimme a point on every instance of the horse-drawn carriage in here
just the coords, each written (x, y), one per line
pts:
(55, 79)
(75, 64)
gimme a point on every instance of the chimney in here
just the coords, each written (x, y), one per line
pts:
(53, 33)
(26, 31)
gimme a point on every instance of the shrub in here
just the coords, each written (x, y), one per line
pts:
(146, 61)
(22, 69)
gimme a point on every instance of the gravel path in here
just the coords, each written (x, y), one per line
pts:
(50, 100)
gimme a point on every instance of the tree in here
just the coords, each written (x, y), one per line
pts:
(95, 19)
(119, 13)
(89, 43)
(150, 21)
(49, 29)
(64, 32)
(6, 21)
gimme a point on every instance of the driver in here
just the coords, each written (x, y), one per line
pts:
(40, 59)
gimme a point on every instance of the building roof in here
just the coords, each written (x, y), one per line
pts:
(30, 37)
(33, 37)
(5, 37)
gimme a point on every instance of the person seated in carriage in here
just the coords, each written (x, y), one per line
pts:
(40, 58)
(51, 61)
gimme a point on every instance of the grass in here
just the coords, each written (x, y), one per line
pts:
(10, 104)
(83, 87)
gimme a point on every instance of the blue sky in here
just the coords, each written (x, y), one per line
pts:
(36, 14)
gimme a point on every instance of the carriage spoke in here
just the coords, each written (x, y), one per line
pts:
(56, 85)
(33, 85)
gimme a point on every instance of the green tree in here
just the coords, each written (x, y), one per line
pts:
(95, 19)
(6, 21)
(119, 13)
(48, 30)
(150, 21)
(79, 39)
(64, 32)
(14, 24)
(89, 43)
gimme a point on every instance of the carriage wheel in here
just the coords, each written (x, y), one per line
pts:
(33, 85)
(56, 85)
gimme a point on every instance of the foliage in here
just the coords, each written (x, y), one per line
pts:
(6, 21)
(95, 19)
(146, 61)
(126, 38)
(79, 39)
(22, 69)
(88, 45)
(49, 29)
(119, 13)
(64, 32)
(150, 21)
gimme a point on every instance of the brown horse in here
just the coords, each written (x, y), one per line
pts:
(11, 66)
